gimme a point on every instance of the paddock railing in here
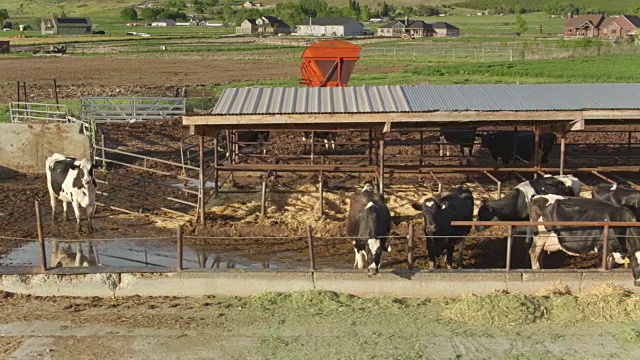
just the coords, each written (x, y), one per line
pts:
(127, 109)
(26, 111)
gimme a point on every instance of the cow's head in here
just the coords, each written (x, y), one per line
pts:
(486, 213)
(368, 186)
(85, 169)
(430, 209)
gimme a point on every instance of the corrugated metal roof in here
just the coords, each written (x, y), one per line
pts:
(426, 98)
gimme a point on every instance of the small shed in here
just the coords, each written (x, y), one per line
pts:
(66, 26)
(5, 47)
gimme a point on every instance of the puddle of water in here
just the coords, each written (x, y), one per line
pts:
(131, 253)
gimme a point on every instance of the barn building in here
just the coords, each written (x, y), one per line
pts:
(66, 26)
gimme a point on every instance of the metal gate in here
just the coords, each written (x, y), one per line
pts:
(127, 109)
(26, 111)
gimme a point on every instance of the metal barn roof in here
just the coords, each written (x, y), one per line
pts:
(427, 98)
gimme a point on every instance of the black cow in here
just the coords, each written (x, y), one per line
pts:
(246, 139)
(438, 214)
(369, 223)
(578, 241)
(329, 137)
(500, 144)
(617, 195)
(464, 137)
(515, 204)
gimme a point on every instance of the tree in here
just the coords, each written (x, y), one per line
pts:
(521, 24)
(4, 15)
(128, 13)
(384, 9)
(150, 14)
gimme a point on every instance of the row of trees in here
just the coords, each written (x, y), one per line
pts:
(551, 7)
(291, 13)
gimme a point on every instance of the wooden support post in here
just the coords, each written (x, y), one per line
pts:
(263, 201)
(605, 247)
(371, 157)
(179, 249)
(536, 151)
(201, 178)
(312, 255)
(421, 146)
(321, 188)
(43, 254)
(563, 146)
(24, 89)
(104, 153)
(509, 246)
(312, 146)
(215, 166)
(515, 146)
(381, 160)
(18, 92)
(410, 239)
(55, 90)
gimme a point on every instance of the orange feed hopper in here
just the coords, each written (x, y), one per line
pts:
(329, 63)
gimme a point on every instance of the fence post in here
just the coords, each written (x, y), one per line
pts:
(179, 248)
(312, 255)
(410, 246)
(605, 247)
(55, 90)
(104, 161)
(43, 254)
(509, 245)
(321, 190)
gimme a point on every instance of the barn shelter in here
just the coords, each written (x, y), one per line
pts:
(381, 109)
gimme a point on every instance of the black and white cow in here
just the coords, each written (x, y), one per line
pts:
(577, 241)
(464, 137)
(71, 181)
(514, 206)
(501, 143)
(438, 214)
(329, 137)
(618, 195)
(369, 223)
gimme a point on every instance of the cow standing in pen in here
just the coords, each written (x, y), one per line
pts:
(501, 145)
(71, 181)
(618, 195)
(329, 138)
(463, 137)
(438, 215)
(369, 223)
(577, 241)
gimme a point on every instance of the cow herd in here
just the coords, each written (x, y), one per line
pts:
(501, 144)
(546, 199)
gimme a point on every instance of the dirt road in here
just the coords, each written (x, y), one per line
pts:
(320, 325)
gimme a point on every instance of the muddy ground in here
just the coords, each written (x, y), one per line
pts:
(238, 214)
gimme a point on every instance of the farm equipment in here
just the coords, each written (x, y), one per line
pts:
(329, 63)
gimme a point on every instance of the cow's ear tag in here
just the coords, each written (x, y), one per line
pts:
(443, 206)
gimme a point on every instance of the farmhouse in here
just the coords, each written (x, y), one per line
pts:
(66, 26)
(417, 28)
(163, 22)
(329, 27)
(263, 25)
(583, 25)
(621, 26)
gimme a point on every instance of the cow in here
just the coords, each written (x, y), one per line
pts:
(329, 137)
(577, 241)
(246, 139)
(71, 181)
(65, 257)
(464, 137)
(369, 223)
(501, 144)
(617, 195)
(514, 205)
(438, 214)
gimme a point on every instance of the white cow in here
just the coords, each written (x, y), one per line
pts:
(71, 181)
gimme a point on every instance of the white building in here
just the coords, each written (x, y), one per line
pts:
(329, 27)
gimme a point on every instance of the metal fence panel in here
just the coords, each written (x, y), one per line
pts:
(25, 111)
(127, 109)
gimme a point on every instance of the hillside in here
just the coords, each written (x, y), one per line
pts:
(583, 6)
